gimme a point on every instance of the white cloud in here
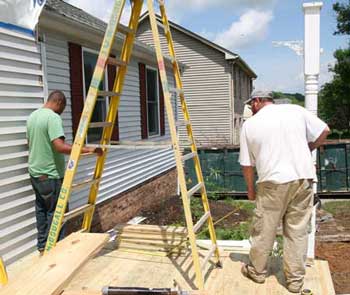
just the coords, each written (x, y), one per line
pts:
(179, 8)
(251, 27)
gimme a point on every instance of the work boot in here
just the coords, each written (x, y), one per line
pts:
(260, 279)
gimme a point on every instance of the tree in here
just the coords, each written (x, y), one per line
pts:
(335, 95)
(343, 18)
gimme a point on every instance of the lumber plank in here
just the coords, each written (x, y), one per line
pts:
(145, 228)
(50, 274)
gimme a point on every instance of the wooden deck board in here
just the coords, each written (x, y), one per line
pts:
(116, 268)
(50, 273)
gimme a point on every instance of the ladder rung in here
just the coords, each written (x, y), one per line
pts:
(176, 90)
(196, 188)
(201, 221)
(76, 212)
(107, 93)
(85, 182)
(209, 254)
(116, 62)
(134, 145)
(189, 156)
(100, 124)
(125, 30)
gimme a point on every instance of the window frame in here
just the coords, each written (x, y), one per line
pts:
(147, 67)
(86, 49)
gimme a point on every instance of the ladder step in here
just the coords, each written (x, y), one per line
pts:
(108, 93)
(134, 145)
(76, 212)
(125, 30)
(85, 183)
(100, 124)
(193, 190)
(178, 91)
(201, 221)
(189, 156)
(116, 62)
(209, 254)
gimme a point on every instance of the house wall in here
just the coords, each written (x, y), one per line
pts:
(23, 92)
(206, 84)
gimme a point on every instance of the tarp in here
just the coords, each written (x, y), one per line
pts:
(20, 14)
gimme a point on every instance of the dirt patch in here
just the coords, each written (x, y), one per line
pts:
(338, 257)
(335, 223)
(171, 212)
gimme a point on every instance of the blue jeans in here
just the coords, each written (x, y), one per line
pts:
(46, 195)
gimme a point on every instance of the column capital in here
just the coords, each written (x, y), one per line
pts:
(312, 5)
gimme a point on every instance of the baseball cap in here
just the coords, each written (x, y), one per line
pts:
(259, 94)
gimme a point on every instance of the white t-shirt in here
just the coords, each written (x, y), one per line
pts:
(275, 140)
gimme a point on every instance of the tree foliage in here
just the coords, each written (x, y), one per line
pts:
(343, 18)
(335, 95)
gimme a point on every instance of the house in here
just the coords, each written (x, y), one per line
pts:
(216, 83)
(62, 57)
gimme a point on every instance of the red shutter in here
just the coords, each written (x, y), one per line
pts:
(143, 100)
(111, 77)
(161, 108)
(76, 83)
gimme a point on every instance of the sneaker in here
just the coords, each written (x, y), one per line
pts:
(245, 272)
(41, 252)
(295, 287)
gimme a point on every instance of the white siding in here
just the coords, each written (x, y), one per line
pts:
(21, 92)
(206, 85)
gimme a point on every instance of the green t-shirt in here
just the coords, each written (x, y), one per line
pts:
(43, 126)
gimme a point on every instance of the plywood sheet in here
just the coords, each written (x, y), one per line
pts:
(116, 268)
(50, 273)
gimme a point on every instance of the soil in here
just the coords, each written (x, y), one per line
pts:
(171, 212)
(336, 253)
(338, 257)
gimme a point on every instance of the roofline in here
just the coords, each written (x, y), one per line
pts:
(48, 17)
(229, 55)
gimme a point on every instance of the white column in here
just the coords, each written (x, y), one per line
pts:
(311, 71)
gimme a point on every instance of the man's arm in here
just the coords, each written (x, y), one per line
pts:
(65, 148)
(320, 140)
(248, 173)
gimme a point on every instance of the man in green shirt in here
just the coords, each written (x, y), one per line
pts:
(47, 147)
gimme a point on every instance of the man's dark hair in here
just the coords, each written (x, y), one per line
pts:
(58, 97)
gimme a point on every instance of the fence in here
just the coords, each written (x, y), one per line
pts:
(222, 172)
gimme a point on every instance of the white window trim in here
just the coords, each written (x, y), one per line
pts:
(85, 49)
(158, 104)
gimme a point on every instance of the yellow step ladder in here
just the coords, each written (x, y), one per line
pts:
(103, 60)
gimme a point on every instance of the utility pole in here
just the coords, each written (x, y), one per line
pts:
(311, 73)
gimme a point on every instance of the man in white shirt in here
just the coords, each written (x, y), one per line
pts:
(278, 141)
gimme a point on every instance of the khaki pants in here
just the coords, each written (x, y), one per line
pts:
(292, 203)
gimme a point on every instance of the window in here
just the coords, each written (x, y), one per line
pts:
(152, 101)
(101, 107)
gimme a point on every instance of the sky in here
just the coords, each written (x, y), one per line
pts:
(248, 28)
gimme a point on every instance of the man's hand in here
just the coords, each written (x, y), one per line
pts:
(95, 150)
